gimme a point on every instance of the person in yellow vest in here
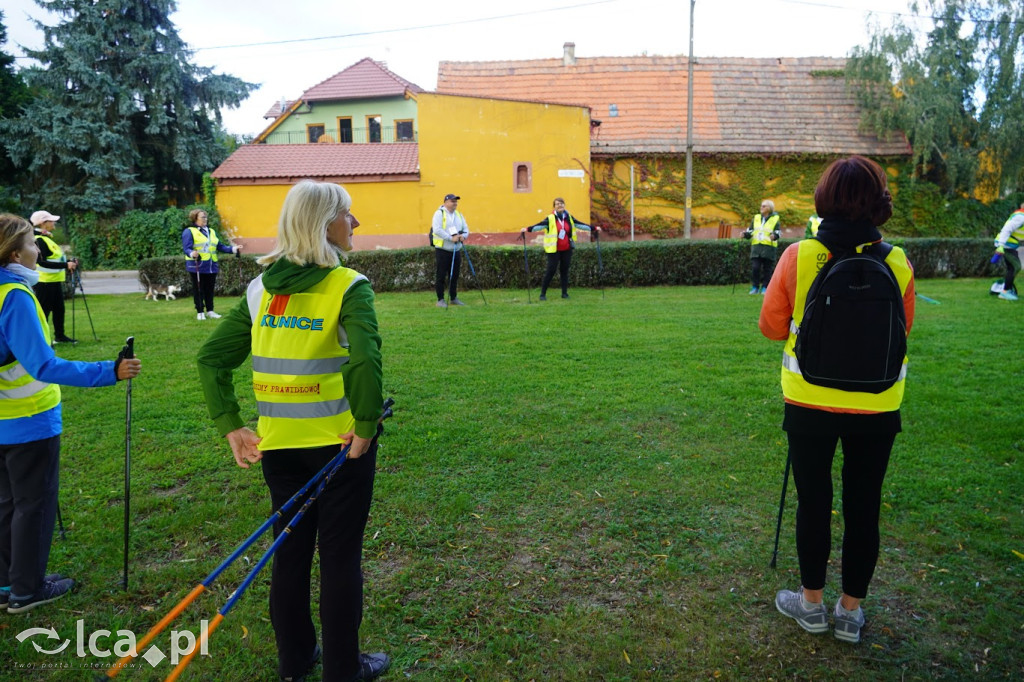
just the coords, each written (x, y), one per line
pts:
(1007, 244)
(31, 424)
(448, 233)
(763, 234)
(311, 328)
(52, 266)
(813, 223)
(853, 199)
(559, 241)
(201, 246)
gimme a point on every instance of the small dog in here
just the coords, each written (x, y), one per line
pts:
(154, 290)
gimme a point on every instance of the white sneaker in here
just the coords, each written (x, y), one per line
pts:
(201, 316)
(212, 316)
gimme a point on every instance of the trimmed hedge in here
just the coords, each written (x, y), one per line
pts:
(622, 264)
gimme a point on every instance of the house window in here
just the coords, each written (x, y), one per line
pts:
(373, 128)
(522, 176)
(314, 131)
(345, 129)
(403, 131)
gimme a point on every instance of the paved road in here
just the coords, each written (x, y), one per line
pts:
(111, 282)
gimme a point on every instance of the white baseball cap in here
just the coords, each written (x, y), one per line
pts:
(40, 217)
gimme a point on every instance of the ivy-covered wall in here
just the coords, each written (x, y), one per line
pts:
(729, 189)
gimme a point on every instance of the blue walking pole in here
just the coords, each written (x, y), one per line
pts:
(600, 267)
(526, 263)
(451, 273)
(473, 272)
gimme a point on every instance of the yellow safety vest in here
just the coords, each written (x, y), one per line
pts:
(438, 242)
(296, 363)
(20, 394)
(1017, 235)
(812, 255)
(762, 234)
(207, 247)
(551, 233)
(46, 274)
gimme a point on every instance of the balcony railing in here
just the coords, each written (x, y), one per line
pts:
(353, 136)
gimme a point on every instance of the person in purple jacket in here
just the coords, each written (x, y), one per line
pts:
(201, 246)
(30, 423)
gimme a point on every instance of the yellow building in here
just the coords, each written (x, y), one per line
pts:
(398, 150)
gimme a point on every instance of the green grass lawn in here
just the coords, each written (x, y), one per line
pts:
(570, 490)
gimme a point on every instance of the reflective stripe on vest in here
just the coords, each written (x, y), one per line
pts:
(762, 233)
(439, 243)
(551, 233)
(812, 255)
(815, 222)
(48, 274)
(20, 394)
(206, 246)
(298, 351)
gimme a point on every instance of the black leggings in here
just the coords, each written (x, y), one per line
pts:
(865, 459)
(1012, 260)
(443, 260)
(761, 271)
(202, 291)
(559, 260)
(51, 299)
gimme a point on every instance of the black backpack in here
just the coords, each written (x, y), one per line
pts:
(853, 335)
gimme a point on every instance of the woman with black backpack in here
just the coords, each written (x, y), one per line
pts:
(823, 408)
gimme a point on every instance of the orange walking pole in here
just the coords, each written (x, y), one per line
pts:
(157, 629)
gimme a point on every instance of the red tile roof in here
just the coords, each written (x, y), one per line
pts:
(284, 161)
(277, 109)
(365, 78)
(743, 106)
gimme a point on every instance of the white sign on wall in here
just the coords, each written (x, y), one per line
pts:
(570, 173)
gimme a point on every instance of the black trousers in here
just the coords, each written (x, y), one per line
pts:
(443, 260)
(761, 271)
(202, 290)
(865, 460)
(29, 483)
(559, 260)
(1012, 261)
(337, 519)
(51, 300)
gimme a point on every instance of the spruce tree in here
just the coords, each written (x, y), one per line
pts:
(121, 118)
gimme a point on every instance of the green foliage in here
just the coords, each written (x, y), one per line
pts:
(121, 119)
(14, 97)
(954, 93)
(622, 264)
(209, 190)
(105, 243)
(602, 512)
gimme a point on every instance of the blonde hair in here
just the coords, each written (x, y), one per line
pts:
(771, 204)
(12, 235)
(309, 207)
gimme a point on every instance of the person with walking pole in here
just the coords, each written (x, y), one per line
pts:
(825, 369)
(448, 233)
(202, 246)
(31, 424)
(311, 328)
(53, 268)
(559, 241)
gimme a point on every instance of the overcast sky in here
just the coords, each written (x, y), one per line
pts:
(412, 36)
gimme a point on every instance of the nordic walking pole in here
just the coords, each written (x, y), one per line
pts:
(278, 541)
(451, 273)
(782, 504)
(526, 262)
(600, 267)
(331, 466)
(78, 279)
(60, 518)
(127, 352)
(472, 271)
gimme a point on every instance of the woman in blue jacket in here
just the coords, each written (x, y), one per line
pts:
(30, 424)
(201, 246)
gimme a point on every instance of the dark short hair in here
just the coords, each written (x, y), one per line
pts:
(556, 200)
(854, 189)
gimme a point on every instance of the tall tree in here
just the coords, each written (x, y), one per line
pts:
(14, 96)
(953, 91)
(121, 119)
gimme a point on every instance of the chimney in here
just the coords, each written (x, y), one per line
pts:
(569, 54)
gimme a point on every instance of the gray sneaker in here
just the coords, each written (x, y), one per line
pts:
(790, 604)
(456, 301)
(442, 303)
(848, 623)
(50, 590)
